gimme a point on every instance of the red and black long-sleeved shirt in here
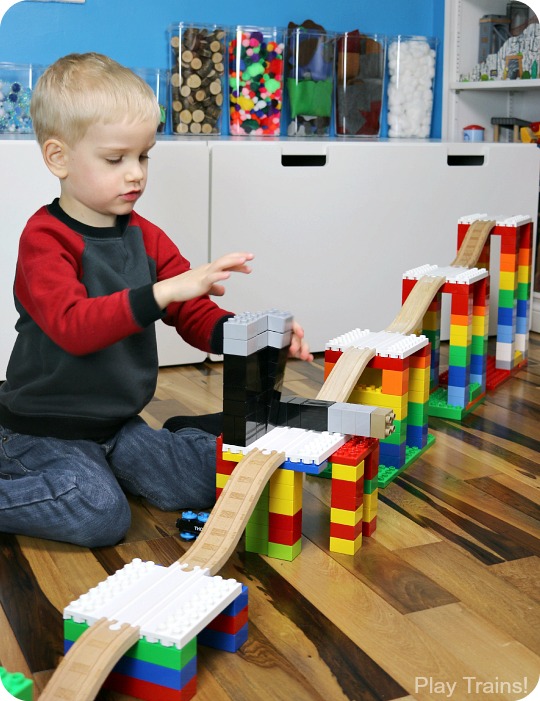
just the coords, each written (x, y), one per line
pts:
(85, 359)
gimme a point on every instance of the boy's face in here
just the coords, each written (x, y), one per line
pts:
(106, 171)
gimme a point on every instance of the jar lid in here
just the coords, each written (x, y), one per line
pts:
(474, 126)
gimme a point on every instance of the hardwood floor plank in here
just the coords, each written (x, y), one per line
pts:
(477, 641)
(523, 574)
(480, 589)
(389, 576)
(11, 656)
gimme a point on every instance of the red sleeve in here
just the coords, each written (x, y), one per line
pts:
(47, 284)
(196, 319)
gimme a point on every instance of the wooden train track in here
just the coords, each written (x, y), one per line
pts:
(86, 666)
(410, 316)
(235, 505)
(345, 374)
(473, 243)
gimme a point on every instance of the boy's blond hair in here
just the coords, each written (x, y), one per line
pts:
(81, 89)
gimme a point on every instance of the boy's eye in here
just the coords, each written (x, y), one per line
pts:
(113, 160)
(144, 157)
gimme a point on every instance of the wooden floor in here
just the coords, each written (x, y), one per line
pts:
(443, 602)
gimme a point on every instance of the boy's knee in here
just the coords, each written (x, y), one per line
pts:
(105, 521)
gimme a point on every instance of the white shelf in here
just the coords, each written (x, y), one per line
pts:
(504, 85)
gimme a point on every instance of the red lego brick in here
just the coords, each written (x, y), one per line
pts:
(149, 691)
(354, 451)
(369, 527)
(229, 624)
(340, 530)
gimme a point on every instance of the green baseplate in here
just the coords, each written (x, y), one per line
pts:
(438, 403)
(388, 474)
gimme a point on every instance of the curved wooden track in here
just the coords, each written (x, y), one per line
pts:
(230, 515)
(410, 316)
(86, 666)
(345, 374)
(473, 243)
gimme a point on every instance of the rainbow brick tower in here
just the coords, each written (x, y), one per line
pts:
(515, 277)
(466, 378)
(398, 377)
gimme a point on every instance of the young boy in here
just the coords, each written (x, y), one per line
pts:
(92, 278)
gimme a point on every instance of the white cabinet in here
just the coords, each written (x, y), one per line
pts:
(334, 224)
(467, 103)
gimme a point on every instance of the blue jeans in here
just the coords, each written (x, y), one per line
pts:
(74, 490)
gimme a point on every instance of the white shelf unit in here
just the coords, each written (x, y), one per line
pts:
(467, 103)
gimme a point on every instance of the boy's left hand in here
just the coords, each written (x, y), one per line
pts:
(299, 348)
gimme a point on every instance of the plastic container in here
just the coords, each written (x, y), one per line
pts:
(256, 81)
(474, 132)
(17, 81)
(157, 79)
(309, 81)
(197, 77)
(360, 67)
(411, 74)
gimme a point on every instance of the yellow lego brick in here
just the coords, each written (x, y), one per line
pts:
(233, 457)
(346, 518)
(287, 491)
(347, 472)
(419, 397)
(507, 281)
(480, 325)
(460, 336)
(524, 274)
(288, 507)
(371, 376)
(432, 321)
(221, 480)
(282, 476)
(345, 547)
(370, 502)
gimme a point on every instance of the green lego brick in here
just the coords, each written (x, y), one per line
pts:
(16, 684)
(370, 485)
(523, 290)
(479, 345)
(256, 545)
(284, 552)
(506, 299)
(258, 531)
(438, 404)
(165, 656)
(399, 434)
(417, 414)
(459, 356)
(389, 474)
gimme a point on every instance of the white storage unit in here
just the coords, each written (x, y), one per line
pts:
(334, 224)
(467, 103)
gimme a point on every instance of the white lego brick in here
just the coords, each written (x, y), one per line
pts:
(504, 352)
(245, 347)
(168, 604)
(279, 321)
(452, 273)
(245, 325)
(298, 444)
(387, 344)
(279, 340)
(515, 221)
(470, 218)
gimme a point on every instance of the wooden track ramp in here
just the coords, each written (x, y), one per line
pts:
(83, 670)
(230, 515)
(473, 243)
(345, 374)
(86, 666)
(410, 316)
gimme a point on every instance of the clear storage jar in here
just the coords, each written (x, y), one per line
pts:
(17, 80)
(256, 81)
(411, 76)
(360, 67)
(157, 80)
(197, 77)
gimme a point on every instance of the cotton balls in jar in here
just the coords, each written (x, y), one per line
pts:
(411, 71)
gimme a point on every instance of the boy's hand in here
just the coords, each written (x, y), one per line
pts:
(202, 280)
(299, 348)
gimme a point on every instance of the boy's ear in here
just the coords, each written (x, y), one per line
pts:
(55, 156)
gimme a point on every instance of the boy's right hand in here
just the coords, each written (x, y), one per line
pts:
(201, 281)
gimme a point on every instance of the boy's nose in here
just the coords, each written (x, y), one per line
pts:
(135, 173)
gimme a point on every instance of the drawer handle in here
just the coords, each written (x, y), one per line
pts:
(302, 160)
(465, 160)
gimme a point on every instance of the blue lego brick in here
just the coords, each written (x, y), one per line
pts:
(392, 455)
(478, 364)
(238, 604)
(458, 396)
(505, 316)
(223, 641)
(149, 672)
(459, 377)
(417, 436)
(522, 325)
(505, 334)
(307, 468)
